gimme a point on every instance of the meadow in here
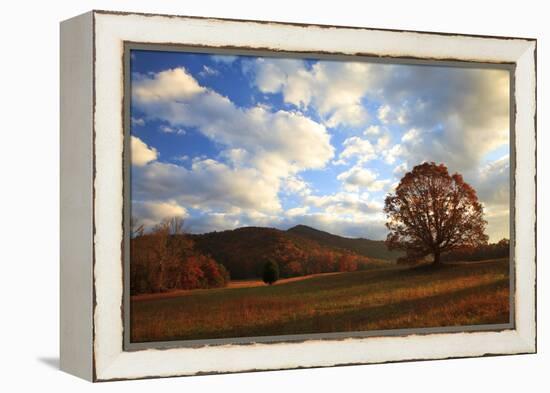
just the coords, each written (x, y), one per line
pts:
(389, 297)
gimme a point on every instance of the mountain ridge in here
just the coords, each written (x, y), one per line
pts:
(298, 250)
(362, 246)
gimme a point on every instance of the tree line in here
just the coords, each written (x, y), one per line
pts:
(497, 250)
(165, 259)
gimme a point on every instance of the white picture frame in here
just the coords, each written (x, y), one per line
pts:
(92, 194)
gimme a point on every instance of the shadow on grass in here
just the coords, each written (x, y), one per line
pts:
(356, 318)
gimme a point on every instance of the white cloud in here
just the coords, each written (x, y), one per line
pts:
(358, 177)
(383, 113)
(150, 213)
(208, 71)
(227, 59)
(356, 148)
(391, 154)
(141, 153)
(172, 130)
(295, 185)
(458, 114)
(411, 135)
(372, 131)
(344, 225)
(333, 88)
(387, 115)
(383, 142)
(352, 204)
(209, 185)
(443, 114)
(377, 145)
(278, 144)
(400, 170)
(452, 115)
(170, 85)
(297, 211)
(136, 121)
(183, 157)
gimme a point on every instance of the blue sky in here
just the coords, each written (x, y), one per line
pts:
(229, 141)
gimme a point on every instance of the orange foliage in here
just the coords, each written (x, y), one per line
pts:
(433, 212)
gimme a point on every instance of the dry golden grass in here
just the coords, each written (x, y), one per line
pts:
(396, 297)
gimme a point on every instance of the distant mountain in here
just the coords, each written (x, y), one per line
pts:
(369, 248)
(299, 250)
(244, 251)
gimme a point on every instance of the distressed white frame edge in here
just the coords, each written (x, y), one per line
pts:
(111, 362)
(76, 179)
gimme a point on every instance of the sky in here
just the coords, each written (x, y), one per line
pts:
(229, 141)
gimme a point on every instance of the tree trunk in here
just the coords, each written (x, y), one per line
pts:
(437, 257)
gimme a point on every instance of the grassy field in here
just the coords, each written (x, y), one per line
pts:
(385, 298)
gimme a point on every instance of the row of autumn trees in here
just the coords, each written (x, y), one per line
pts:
(501, 249)
(245, 251)
(165, 259)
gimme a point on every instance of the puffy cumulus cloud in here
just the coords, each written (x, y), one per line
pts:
(356, 147)
(451, 115)
(150, 213)
(141, 153)
(295, 185)
(333, 88)
(387, 115)
(358, 177)
(391, 154)
(377, 144)
(276, 143)
(457, 114)
(411, 135)
(352, 204)
(297, 211)
(208, 185)
(174, 84)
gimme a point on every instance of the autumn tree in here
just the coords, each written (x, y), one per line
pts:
(347, 263)
(164, 258)
(270, 273)
(432, 212)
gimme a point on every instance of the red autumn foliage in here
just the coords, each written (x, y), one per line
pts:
(347, 263)
(165, 259)
(433, 212)
(243, 252)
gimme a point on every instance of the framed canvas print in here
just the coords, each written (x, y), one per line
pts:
(246, 195)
